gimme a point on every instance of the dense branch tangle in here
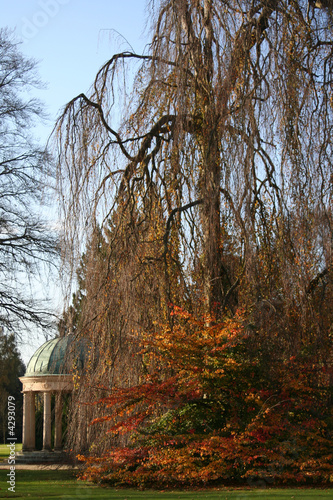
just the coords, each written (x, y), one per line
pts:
(230, 106)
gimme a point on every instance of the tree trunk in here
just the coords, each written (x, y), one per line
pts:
(210, 187)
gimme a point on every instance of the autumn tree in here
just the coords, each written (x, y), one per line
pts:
(214, 171)
(217, 412)
(26, 243)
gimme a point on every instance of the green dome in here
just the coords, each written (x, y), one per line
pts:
(49, 359)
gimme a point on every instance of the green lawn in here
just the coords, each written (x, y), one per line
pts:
(4, 451)
(47, 484)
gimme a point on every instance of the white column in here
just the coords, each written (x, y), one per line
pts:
(58, 422)
(47, 422)
(28, 437)
(32, 421)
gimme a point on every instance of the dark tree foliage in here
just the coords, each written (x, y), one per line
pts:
(11, 368)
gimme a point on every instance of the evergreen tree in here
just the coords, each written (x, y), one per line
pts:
(11, 368)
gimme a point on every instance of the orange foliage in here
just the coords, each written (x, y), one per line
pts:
(211, 409)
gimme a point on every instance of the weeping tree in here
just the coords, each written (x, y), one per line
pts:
(209, 157)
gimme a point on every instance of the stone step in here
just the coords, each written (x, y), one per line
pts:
(39, 457)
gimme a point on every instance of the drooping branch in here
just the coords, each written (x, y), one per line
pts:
(99, 109)
(170, 220)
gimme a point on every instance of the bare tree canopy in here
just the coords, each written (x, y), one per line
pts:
(25, 241)
(226, 133)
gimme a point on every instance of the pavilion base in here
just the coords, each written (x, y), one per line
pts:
(42, 457)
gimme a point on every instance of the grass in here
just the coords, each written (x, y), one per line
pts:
(63, 484)
(4, 451)
(47, 484)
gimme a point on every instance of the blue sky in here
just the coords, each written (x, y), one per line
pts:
(71, 39)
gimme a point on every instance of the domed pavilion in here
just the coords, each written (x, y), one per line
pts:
(48, 372)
